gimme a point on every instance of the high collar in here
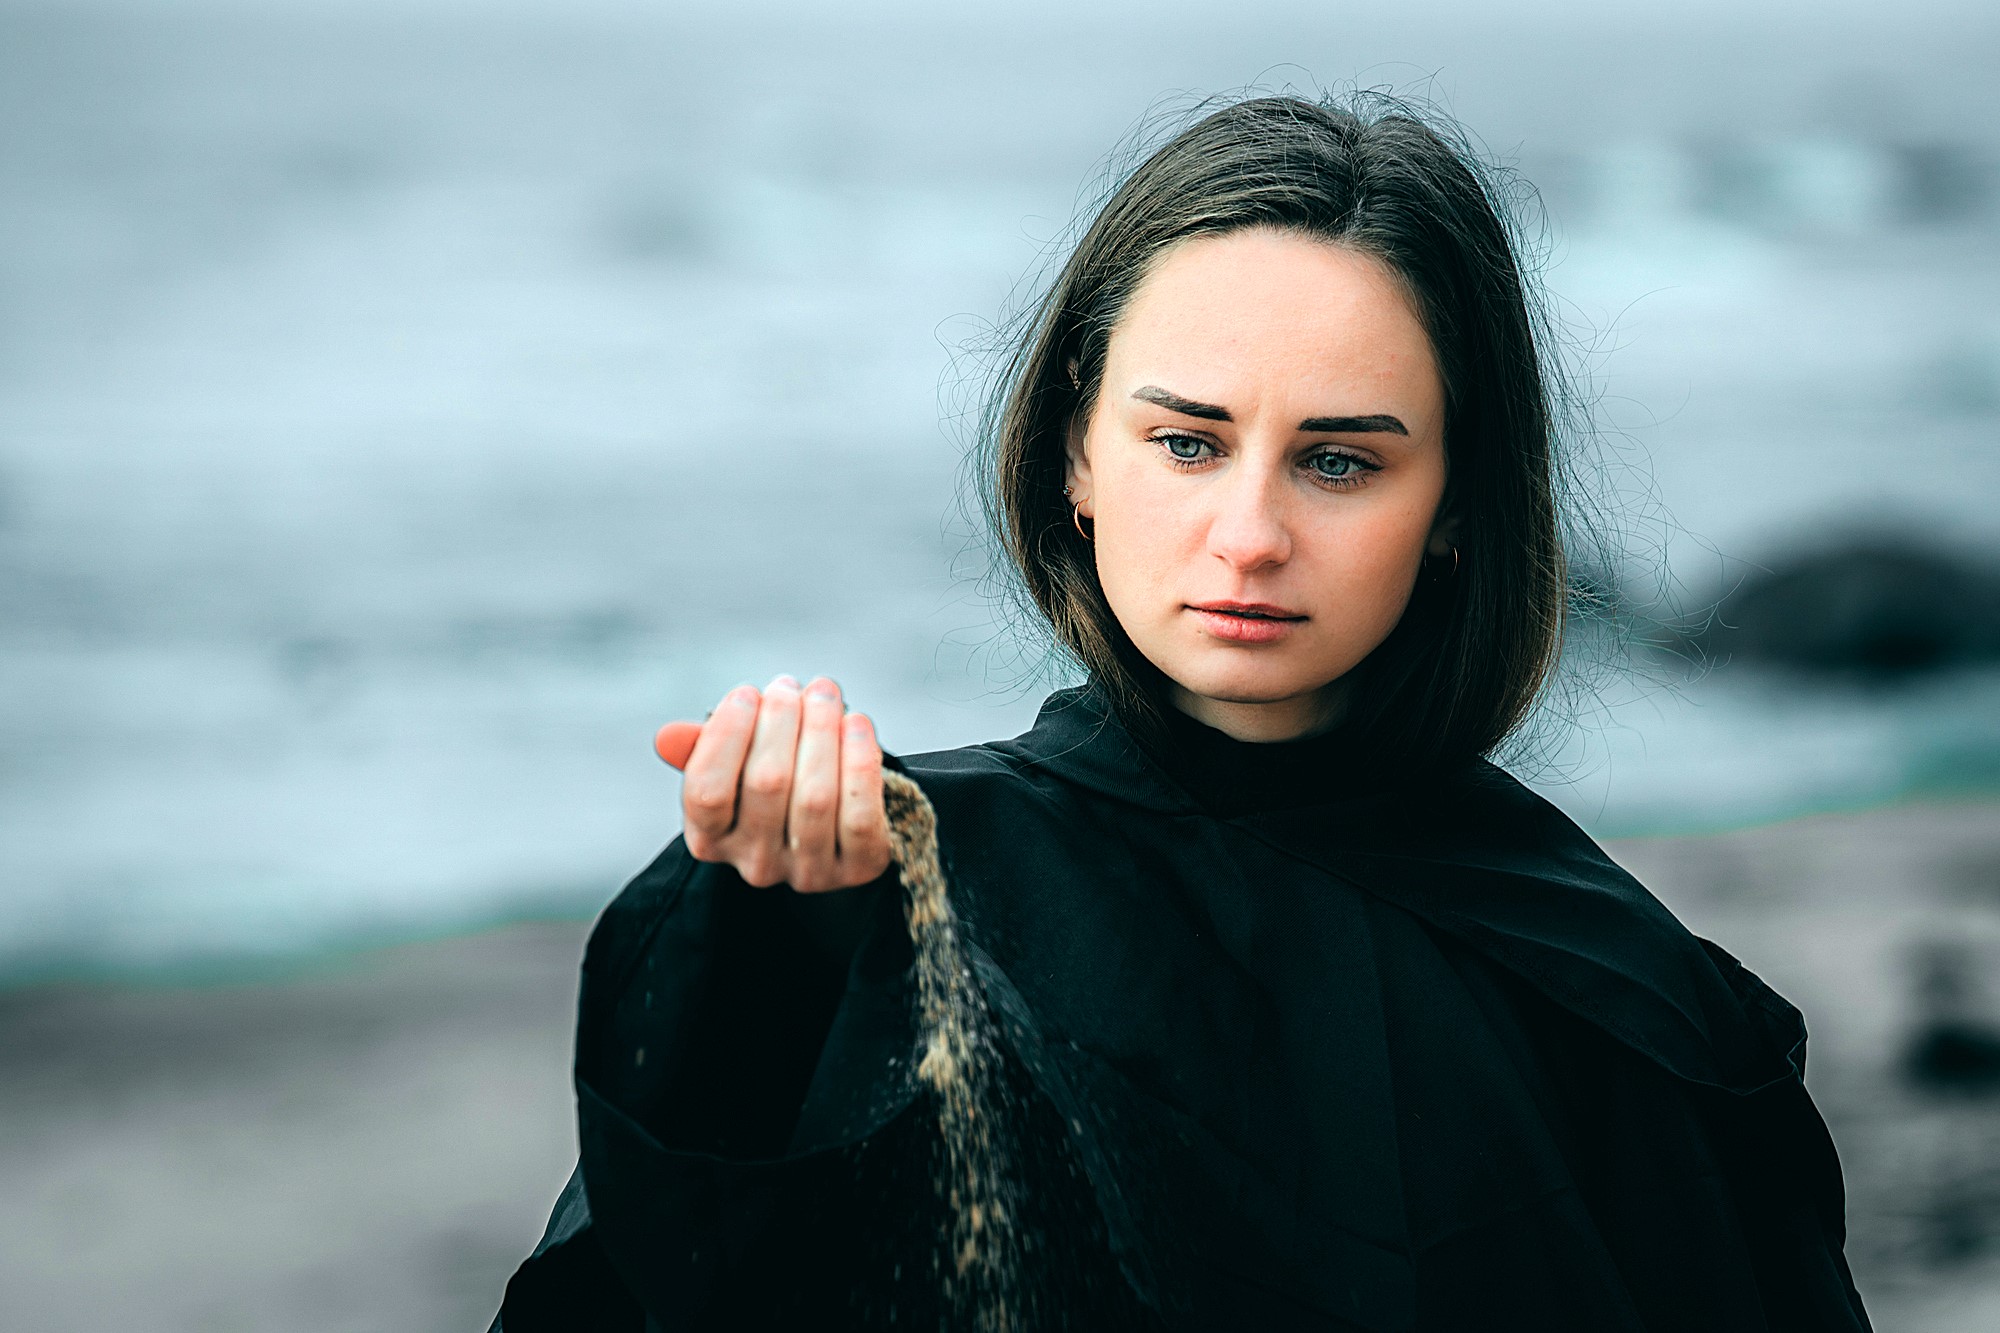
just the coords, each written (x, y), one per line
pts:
(1231, 777)
(1077, 737)
(1193, 768)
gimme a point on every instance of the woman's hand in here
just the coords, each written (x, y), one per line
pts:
(783, 787)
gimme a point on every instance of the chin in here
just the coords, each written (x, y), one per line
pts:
(1248, 682)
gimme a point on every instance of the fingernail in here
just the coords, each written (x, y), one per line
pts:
(784, 683)
(743, 696)
(822, 688)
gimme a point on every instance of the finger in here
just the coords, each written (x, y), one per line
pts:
(809, 821)
(863, 851)
(675, 742)
(714, 770)
(759, 835)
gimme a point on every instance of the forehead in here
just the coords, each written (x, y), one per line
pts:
(1274, 307)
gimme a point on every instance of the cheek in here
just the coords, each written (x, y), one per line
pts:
(1369, 564)
(1146, 532)
(1389, 542)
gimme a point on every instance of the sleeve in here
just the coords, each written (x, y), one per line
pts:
(707, 1005)
(739, 1052)
(567, 1285)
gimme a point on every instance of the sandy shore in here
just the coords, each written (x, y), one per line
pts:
(372, 1144)
(1883, 926)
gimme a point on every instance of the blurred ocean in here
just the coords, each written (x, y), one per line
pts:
(405, 409)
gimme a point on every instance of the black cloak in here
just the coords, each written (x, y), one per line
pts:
(1289, 1044)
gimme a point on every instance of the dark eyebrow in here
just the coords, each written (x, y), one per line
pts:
(1380, 424)
(1187, 407)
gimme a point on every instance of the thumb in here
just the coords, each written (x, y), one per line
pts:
(675, 742)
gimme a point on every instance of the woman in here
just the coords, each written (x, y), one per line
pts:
(1308, 1016)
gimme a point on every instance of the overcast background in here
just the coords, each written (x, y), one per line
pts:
(405, 408)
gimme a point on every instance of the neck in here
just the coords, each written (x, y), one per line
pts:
(1265, 721)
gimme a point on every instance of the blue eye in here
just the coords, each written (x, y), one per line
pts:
(1185, 447)
(1335, 467)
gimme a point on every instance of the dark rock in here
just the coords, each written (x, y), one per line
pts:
(1874, 609)
(1955, 1047)
(1955, 1057)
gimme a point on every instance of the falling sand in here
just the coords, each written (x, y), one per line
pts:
(981, 1267)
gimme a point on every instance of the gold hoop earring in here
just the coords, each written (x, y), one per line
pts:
(1076, 517)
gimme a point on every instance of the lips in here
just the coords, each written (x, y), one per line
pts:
(1247, 622)
(1248, 610)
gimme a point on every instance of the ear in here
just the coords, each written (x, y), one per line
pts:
(1076, 475)
(1444, 533)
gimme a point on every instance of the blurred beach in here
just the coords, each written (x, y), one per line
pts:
(404, 409)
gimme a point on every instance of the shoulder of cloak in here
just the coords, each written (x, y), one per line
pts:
(1493, 864)
(1477, 855)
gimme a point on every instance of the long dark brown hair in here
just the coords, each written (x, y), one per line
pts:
(1462, 669)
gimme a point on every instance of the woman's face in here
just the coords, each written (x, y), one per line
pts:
(1264, 467)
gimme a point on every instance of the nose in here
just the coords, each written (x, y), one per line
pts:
(1248, 529)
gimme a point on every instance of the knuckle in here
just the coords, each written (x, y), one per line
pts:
(859, 852)
(705, 798)
(818, 804)
(871, 863)
(870, 830)
(763, 781)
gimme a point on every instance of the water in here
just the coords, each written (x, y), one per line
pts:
(403, 411)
